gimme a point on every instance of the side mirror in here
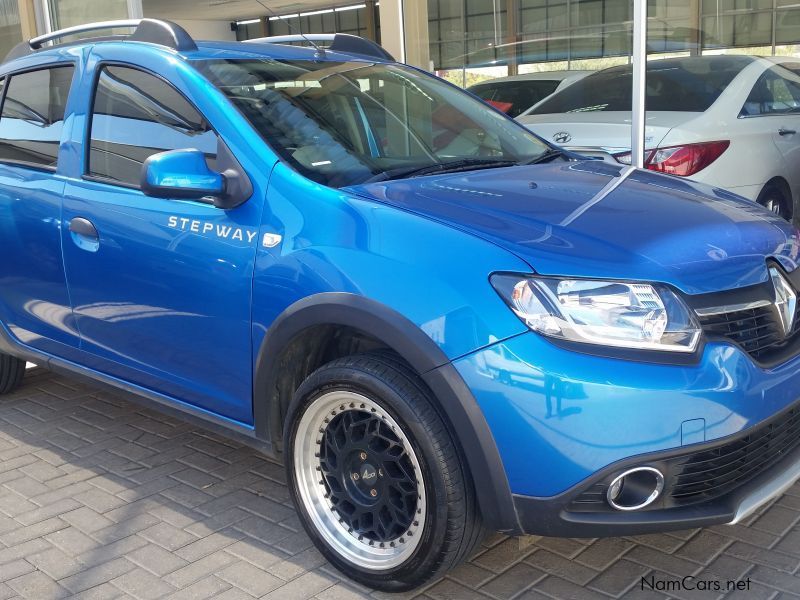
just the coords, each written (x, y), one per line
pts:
(180, 174)
(185, 174)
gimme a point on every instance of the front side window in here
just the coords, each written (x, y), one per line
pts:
(135, 115)
(777, 91)
(33, 116)
(344, 123)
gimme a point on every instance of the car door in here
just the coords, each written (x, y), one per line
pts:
(34, 303)
(773, 109)
(785, 90)
(160, 287)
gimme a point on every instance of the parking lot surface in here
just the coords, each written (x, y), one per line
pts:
(100, 498)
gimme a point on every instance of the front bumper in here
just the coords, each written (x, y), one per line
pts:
(566, 516)
(566, 423)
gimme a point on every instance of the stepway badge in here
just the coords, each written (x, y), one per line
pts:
(218, 230)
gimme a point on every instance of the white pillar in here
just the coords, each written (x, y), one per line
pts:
(135, 10)
(404, 31)
(639, 62)
(392, 29)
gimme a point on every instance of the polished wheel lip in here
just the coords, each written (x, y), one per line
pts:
(313, 493)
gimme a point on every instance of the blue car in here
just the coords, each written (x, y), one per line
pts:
(441, 324)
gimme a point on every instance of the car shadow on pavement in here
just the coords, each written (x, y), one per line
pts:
(100, 497)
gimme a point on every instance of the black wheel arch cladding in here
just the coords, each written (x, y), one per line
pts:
(410, 343)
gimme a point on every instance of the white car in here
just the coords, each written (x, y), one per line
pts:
(516, 94)
(728, 121)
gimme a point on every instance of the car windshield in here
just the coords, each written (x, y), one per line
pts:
(681, 85)
(345, 123)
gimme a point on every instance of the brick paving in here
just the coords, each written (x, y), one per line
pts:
(100, 498)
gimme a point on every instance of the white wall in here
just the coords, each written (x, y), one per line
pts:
(207, 30)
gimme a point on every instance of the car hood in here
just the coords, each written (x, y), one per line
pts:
(596, 219)
(609, 131)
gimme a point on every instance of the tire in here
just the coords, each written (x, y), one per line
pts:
(12, 370)
(376, 476)
(776, 199)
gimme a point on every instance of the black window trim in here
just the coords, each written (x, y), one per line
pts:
(6, 78)
(87, 134)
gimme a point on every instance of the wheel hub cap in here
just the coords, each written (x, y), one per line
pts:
(368, 475)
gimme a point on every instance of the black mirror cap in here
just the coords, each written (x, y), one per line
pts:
(238, 187)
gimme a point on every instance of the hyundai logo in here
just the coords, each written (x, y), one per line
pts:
(562, 137)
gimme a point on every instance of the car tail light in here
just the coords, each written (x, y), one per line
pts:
(501, 106)
(683, 161)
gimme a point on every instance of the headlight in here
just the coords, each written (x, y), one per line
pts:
(624, 315)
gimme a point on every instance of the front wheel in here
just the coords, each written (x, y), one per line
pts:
(376, 476)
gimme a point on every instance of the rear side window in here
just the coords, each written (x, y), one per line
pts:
(33, 116)
(777, 91)
(690, 85)
(513, 98)
(135, 115)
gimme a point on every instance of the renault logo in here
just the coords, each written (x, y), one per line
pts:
(785, 300)
(562, 137)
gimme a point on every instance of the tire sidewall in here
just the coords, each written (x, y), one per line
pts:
(775, 191)
(424, 558)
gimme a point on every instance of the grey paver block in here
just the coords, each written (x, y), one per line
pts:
(199, 569)
(249, 578)
(37, 585)
(204, 588)
(512, 582)
(156, 559)
(87, 520)
(15, 568)
(142, 584)
(55, 563)
(167, 536)
(96, 575)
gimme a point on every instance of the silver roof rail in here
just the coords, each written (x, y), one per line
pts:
(163, 33)
(339, 42)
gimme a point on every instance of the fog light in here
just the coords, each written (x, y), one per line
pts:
(635, 488)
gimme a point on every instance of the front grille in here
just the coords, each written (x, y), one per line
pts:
(757, 330)
(709, 474)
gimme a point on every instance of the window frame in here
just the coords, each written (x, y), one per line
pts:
(7, 78)
(87, 134)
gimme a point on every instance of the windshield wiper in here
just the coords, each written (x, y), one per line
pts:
(545, 157)
(453, 166)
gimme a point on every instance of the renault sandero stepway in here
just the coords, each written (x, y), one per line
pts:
(441, 324)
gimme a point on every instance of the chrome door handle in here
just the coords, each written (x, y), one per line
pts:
(783, 131)
(83, 227)
(84, 234)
